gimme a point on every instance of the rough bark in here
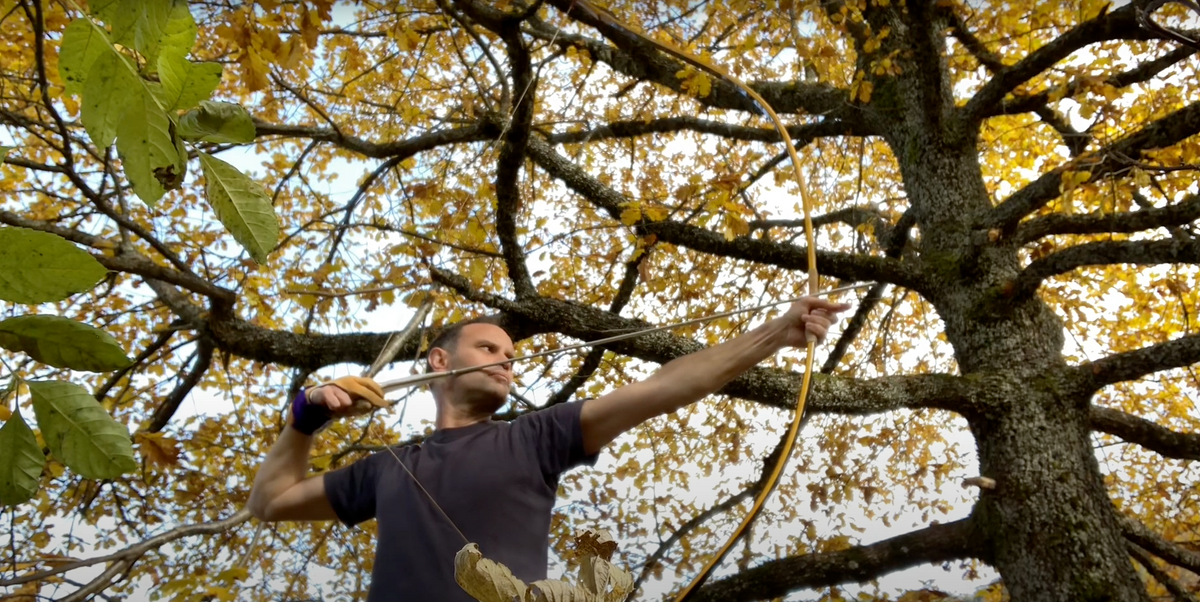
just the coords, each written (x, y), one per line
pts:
(1050, 526)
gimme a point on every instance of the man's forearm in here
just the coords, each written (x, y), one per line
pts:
(286, 464)
(688, 379)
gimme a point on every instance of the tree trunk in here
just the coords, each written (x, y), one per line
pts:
(1053, 529)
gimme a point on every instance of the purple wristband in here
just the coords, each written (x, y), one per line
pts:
(306, 417)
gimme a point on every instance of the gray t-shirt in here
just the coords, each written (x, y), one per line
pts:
(496, 481)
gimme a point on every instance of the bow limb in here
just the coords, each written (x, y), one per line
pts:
(773, 479)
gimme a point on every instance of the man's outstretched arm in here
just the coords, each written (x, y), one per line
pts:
(688, 379)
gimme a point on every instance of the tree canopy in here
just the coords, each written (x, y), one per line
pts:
(1016, 178)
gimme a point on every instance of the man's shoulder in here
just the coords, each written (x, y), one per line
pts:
(566, 410)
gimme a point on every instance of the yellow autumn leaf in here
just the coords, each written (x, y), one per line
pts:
(1072, 179)
(157, 448)
(631, 215)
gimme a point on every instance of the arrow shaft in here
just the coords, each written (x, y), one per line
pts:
(420, 379)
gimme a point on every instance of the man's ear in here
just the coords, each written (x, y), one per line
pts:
(439, 359)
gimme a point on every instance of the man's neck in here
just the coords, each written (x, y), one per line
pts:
(450, 417)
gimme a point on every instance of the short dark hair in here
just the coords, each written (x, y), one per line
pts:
(447, 338)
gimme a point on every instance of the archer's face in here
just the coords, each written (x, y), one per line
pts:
(484, 390)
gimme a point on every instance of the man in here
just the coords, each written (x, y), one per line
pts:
(479, 480)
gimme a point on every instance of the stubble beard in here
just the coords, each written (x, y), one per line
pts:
(483, 397)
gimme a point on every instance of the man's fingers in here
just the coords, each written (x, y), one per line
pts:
(360, 387)
(336, 399)
(815, 303)
(817, 330)
(368, 394)
(373, 386)
(367, 383)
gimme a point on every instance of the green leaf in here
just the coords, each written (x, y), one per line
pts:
(79, 432)
(110, 91)
(184, 83)
(177, 36)
(4, 150)
(220, 122)
(105, 10)
(243, 205)
(151, 23)
(151, 27)
(152, 155)
(81, 46)
(39, 267)
(63, 343)
(21, 461)
(121, 16)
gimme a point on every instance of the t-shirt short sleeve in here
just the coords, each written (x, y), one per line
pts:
(556, 436)
(351, 490)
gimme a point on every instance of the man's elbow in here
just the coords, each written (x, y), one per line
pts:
(260, 509)
(262, 506)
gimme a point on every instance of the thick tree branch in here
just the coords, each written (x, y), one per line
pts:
(477, 132)
(1118, 24)
(1142, 73)
(512, 158)
(1137, 252)
(839, 265)
(134, 263)
(71, 234)
(1178, 214)
(850, 216)
(632, 129)
(1139, 534)
(309, 351)
(636, 59)
(1131, 365)
(1147, 561)
(933, 544)
(1162, 133)
(1075, 141)
(1152, 436)
(923, 40)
